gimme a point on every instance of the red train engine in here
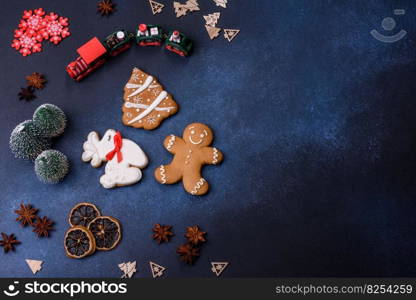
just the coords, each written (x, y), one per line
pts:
(91, 57)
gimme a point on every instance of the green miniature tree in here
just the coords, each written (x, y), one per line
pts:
(51, 166)
(26, 142)
(50, 120)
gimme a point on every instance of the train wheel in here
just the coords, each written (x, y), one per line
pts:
(177, 51)
(90, 70)
(120, 50)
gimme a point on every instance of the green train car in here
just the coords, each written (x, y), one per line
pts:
(117, 42)
(178, 43)
(149, 35)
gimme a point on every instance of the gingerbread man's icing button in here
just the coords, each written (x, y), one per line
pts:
(190, 152)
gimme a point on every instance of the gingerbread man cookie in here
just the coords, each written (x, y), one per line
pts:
(124, 158)
(190, 153)
(146, 103)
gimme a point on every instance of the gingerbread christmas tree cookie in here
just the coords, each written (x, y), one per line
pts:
(146, 103)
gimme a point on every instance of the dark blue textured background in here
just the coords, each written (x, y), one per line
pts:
(316, 120)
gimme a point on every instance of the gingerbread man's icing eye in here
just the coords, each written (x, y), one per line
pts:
(202, 135)
(192, 131)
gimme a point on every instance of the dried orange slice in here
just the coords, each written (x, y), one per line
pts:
(82, 214)
(79, 242)
(106, 231)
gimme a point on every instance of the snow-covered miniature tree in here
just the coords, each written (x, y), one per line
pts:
(50, 120)
(26, 141)
(51, 166)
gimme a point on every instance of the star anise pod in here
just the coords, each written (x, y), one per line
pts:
(8, 242)
(195, 235)
(42, 226)
(36, 80)
(26, 94)
(26, 214)
(188, 253)
(106, 7)
(162, 233)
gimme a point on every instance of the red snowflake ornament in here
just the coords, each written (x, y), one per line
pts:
(56, 29)
(27, 45)
(32, 22)
(36, 26)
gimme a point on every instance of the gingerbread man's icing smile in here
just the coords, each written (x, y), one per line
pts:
(194, 135)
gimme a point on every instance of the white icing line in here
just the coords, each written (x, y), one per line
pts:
(133, 85)
(171, 141)
(162, 174)
(138, 105)
(215, 156)
(198, 185)
(150, 108)
(145, 85)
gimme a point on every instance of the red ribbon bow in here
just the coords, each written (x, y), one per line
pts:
(118, 142)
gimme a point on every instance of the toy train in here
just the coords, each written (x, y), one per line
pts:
(95, 53)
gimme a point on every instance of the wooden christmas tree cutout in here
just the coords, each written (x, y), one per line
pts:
(230, 34)
(218, 267)
(156, 7)
(128, 268)
(222, 3)
(192, 5)
(212, 19)
(157, 270)
(213, 32)
(182, 9)
(34, 265)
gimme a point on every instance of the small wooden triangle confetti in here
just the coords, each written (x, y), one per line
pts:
(213, 32)
(222, 3)
(230, 34)
(128, 268)
(212, 19)
(218, 267)
(156, 7)
(157, 270)
(34, 265)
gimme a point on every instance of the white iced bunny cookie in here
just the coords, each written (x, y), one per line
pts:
(124, 158)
